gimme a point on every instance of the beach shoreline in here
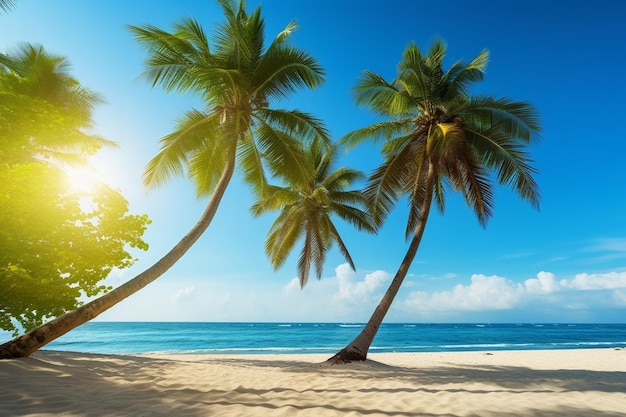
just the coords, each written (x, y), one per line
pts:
(577, 382)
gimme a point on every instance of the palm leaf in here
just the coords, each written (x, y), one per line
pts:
(284, 153)
(375, 132)
(194, 129)
(284, 70)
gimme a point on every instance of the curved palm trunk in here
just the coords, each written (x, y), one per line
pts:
(28, 343)
(358, 348)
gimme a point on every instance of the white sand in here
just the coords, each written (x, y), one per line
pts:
(573, 383)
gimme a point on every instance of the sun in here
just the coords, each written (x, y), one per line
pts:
(83, 179)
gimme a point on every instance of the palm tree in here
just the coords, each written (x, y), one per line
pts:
(306, 205)
(237, 77)
(45, 109)
(438, 138)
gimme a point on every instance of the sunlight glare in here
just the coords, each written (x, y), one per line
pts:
(83, 179)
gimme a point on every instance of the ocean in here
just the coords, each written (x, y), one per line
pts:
(328, 338)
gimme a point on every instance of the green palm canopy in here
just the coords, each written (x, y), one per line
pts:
(306, 208)
(238, 77)
(45, 112)
(433, 122)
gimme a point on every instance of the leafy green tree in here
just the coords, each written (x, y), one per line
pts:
(306, 207)
(57, 244)
(238, 77)
(438, 138)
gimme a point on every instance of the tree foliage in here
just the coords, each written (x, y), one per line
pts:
(240, 78)
(57, 245)
(306, 208)
(44, 112)
(433, 120)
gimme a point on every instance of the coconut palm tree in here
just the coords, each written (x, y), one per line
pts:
(306, 205)
(237, 76)
(438, 138)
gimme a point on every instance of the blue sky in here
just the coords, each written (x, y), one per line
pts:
(564, 263)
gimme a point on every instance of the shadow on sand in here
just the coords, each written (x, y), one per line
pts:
(104, 385)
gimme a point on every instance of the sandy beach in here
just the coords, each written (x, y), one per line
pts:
(571, 383)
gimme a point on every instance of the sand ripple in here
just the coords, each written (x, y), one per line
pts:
(575, 383)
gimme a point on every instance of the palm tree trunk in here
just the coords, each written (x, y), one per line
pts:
(28, 343)
(358, 348)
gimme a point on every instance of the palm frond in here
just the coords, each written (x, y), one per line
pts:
(417, 187)
(7, 5)
(240, 39)
(354, 216)
(376, 132)
(339, 180)
(436, 54)
(318, 227)
(517, 119)
(285, 69)
(193, 130)
(414, 75)
(439, 193)
(380, 96)
(468, 176)
(173, 60)
(297, 124)
(381, 197)
(274, 199)
(389, 181)
(395, 144)
(284, 154)
(206, 165)
(284, 34)
(304, 262)
(342, 246)
(286, 230)
(509, 160)
(251, 162)
(191, 31)
(460, 77)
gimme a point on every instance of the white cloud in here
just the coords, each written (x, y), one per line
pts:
(352, 296)
(584, 281)
(354, 291)
(484, 293)
(291, 286)
(545, 283)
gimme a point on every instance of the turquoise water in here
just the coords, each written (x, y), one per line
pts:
(149, 337)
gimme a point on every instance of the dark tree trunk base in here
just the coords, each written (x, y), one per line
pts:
(22, 346)
(346, 356)
(9, 351)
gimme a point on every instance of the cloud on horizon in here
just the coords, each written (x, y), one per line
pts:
(349, 296)
(486, 293)
(586, 292)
